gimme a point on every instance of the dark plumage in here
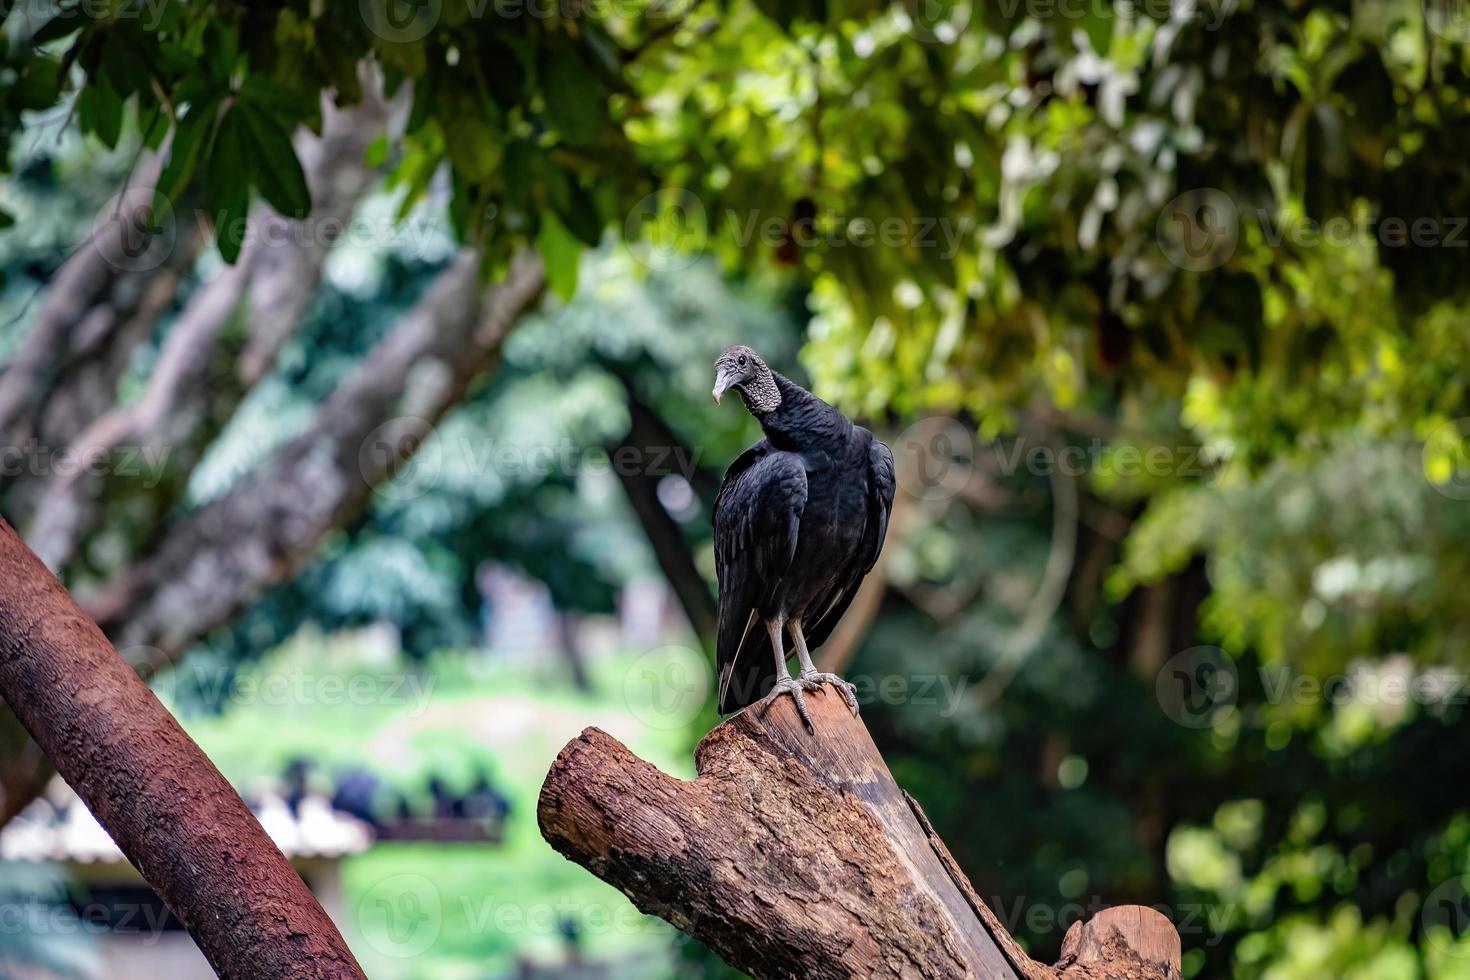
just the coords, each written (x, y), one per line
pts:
(799, 520)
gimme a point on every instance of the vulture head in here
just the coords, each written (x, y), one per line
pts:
(741, 368)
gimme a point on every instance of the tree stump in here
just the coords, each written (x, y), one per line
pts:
(797, 855)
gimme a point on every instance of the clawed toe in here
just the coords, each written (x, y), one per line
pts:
(814, 681)
(786, 685)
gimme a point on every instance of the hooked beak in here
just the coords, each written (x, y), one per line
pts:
(722, 385)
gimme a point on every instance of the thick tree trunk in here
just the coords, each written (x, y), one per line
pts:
(796, 855)
(172, 813)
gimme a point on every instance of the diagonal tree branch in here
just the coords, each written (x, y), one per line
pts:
(259, 533)
(175, 817)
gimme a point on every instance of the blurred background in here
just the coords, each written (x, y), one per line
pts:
(1160, 308)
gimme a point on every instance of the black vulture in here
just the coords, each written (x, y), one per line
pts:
(799, 520)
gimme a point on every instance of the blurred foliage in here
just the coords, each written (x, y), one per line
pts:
(1186, 228)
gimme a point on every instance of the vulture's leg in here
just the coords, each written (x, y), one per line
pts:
(785, 684)
(811, 678)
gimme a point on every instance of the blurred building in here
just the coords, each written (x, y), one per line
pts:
(109, 907)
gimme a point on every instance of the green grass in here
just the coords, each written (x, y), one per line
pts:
(451, 911)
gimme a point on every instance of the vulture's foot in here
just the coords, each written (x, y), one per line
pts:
(813, 680)
(785, 684)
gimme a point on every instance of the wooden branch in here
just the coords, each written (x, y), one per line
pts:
(794, 855)
(175, 817)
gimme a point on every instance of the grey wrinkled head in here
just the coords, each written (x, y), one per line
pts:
(741, 368)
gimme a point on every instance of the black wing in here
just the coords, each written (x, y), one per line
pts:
(757, 516)
(880, 505)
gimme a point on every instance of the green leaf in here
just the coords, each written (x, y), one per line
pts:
(39, 84)
(579, 213)
(470, 143)
(7, 219)
(376, 153)
(560, 253)
(65, 23)
(100, 111)
(517, 172)
(573, 97)
(1098, 23)
(277, 172)
(275, 99)
(227, 184)
(123, 61)
(189, 140)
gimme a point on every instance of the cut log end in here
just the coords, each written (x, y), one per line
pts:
(796, 854)
(1103, 945)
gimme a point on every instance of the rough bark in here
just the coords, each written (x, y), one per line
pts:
(169, 809)
(796, 855)
(260, 531)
